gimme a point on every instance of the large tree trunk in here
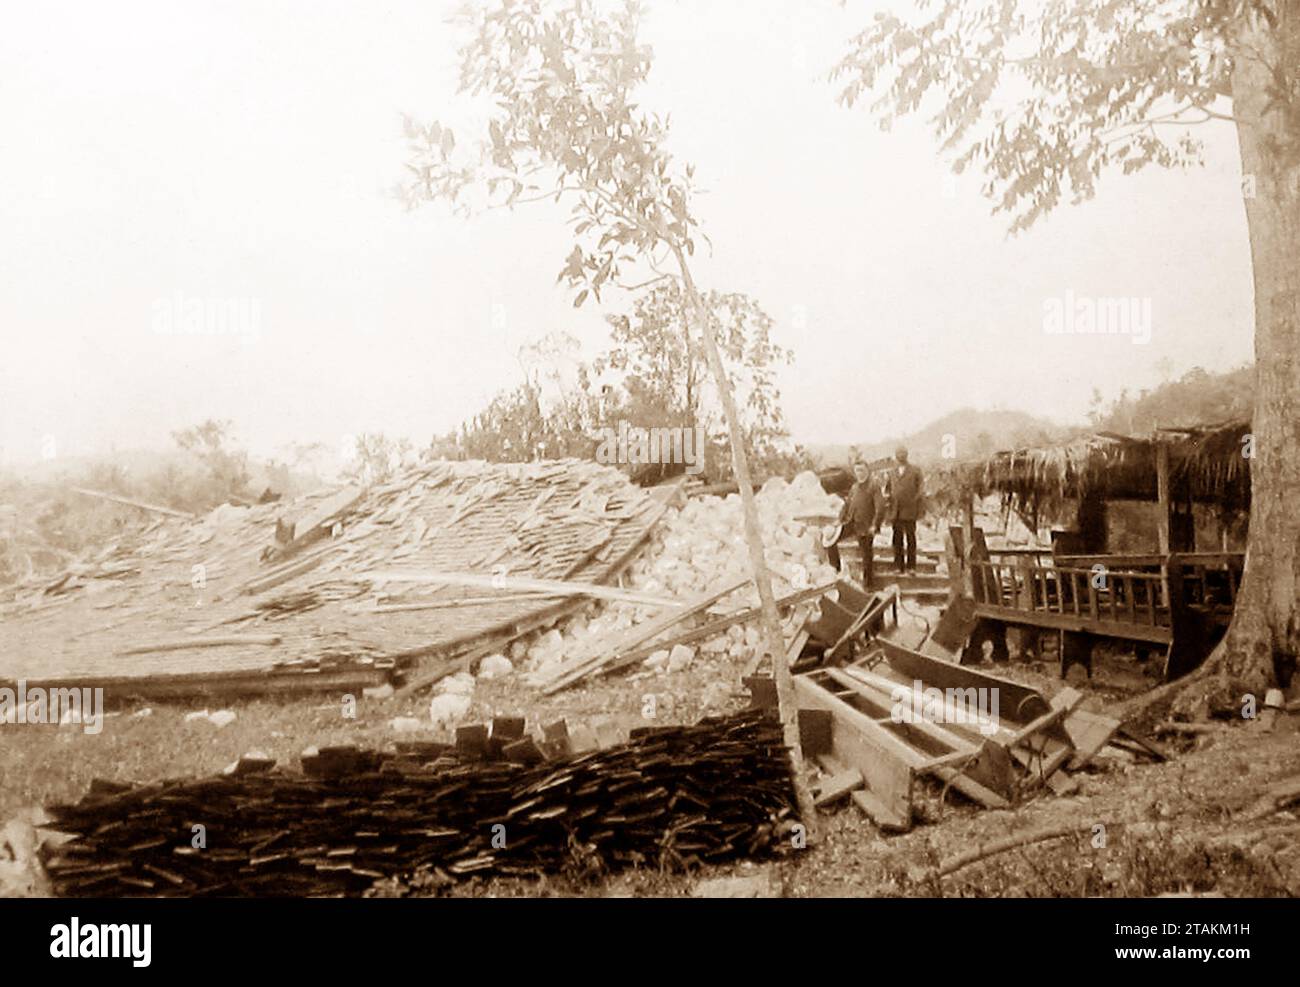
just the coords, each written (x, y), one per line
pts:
(1264, 638)
(771, 618)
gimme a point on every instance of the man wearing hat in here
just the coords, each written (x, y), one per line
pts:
(905, 504)
(860, 516)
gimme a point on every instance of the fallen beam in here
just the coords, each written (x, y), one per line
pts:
(705, 631)
(991, 762)
(634, 636)
(554, 587)
(293, 535)
(1019, 703)
(128, 502)
(980, 771)
(184, 643)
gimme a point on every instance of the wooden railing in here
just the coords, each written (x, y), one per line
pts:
(1128, 589)
(1119, 597)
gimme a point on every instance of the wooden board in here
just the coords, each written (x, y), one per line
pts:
(713, 627)
(883, 761)
(1017, 703)
(1090, 732)
(299, 532)
(614, 647)
(834, 787)
(980, 771)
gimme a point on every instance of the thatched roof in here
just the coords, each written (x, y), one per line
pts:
(1206, 463)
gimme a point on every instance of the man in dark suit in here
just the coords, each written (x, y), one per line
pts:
(905, 505)
(860, 516)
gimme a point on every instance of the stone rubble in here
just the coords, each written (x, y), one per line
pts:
(698, 548)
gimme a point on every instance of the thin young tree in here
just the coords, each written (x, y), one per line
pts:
(1046, 97)
(559, 81)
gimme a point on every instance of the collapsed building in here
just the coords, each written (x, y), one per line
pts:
(566, 573)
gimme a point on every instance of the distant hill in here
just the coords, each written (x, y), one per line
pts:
(1197, 398)
(966, 433)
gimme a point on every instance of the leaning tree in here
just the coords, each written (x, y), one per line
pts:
(1045, 97)
(557, 82)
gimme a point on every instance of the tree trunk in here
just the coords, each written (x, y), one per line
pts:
(771, 619)
(1264, 637)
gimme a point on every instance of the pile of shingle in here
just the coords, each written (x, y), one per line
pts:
(669, 797)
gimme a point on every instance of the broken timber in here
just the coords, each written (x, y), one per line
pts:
(884, 761)
(128, 502)
(293, 535)
(555, 587)
(705, 631)
(180, 644)
(584, 665)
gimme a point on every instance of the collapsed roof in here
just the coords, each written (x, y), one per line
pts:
(341, 588)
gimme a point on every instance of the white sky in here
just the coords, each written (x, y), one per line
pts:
(241, 150)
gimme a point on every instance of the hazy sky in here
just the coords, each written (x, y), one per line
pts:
(155, 154)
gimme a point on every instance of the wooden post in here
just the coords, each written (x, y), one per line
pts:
(1164, 503)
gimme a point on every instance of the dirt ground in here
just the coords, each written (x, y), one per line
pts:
(1142, 828)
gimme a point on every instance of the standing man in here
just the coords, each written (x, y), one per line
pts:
(863, 509)
(906, 504)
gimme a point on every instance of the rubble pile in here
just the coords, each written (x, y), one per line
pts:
(698, 549)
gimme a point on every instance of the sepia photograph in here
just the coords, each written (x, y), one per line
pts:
(643, 450)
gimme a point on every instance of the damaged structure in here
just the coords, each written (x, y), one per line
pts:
(342, 590)
(1134, 566)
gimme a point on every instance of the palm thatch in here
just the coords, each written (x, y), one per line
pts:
(1207, 464)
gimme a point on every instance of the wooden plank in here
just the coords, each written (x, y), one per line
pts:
(293, 535)
(878, 811)
(1089, 732)
(480, 580)
(284, 573)
(464, 601)
(185, 643)
(1164, 506)
(883, 760)
(814, 731)
(834, 787)
(638, 634)
(956, 624)
(463, 663)
(128, 502)
(872, 612)
(1158, 634)
(1017, 703)
(713, 627)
